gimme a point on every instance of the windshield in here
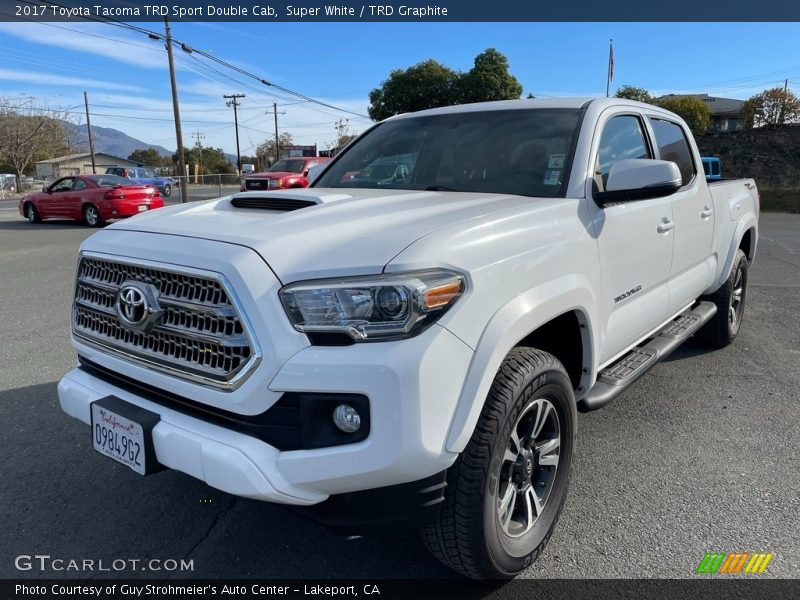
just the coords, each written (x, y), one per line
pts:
(288, 164)
(524, 152)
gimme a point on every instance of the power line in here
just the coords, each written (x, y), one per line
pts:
(204, 53)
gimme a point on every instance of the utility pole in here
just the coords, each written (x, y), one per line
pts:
(89, 130)
(176, 111)
(233, 100)
(277, 138)
(199, 136)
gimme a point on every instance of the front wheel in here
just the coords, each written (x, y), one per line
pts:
(167, 191)
(506, 490)
(31, 213)
(91, 216)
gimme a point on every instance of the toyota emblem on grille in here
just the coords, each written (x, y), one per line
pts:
(137, 306)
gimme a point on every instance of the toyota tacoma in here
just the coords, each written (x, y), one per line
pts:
(414, 352)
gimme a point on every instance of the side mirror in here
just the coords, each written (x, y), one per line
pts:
(46, 189)
(313, 172)
(640, 179)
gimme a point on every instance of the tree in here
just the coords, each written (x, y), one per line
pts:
(211, 160)
(691, 109)
(430, 84)
(149, 157)
(632, 92)
(266, 150)
(425, 85)
(775, 106)
(29, 133)
(343, 135)
(488, 80)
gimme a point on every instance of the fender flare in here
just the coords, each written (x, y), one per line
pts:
(747, 222)
(510, 324)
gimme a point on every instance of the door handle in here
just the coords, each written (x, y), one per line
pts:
(665, 225)
(706, 212)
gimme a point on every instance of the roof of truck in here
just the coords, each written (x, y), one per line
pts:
(527, 103)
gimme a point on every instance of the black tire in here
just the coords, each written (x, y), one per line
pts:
(91, 216)
(468, 535)
(167, 191)
(723, 328)
(32, 214)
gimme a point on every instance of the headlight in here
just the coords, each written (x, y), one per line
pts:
(372, 308)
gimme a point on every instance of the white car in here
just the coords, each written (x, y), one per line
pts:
(416, 351)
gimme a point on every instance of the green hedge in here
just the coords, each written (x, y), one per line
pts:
(780, 200)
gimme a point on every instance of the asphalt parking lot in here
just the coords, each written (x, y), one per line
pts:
(701, 455)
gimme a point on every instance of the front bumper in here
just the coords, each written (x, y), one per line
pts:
(413, 387)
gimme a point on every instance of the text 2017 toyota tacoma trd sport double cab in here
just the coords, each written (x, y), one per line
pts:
(414, 349)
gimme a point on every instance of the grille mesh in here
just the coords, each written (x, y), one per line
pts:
(200, 333)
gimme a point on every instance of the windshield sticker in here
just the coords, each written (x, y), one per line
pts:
(551, 177)
(556, 161)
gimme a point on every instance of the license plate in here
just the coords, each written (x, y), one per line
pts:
(143, 207)
(124, 432)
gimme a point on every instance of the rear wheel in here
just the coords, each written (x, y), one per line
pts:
(91, 216)
(506, 490)
(723, 328)
(32, 214)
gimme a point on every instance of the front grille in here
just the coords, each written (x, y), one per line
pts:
(200, 336)
(261, 184)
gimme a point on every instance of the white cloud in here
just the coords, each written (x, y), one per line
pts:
(102, 41)
(48, 79)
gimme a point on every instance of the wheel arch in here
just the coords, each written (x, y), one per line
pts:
(745, 237)
(557, 323)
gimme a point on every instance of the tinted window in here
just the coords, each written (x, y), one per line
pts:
(673, 145)
(706, 167)
(525, 152)
(78, 185)
(623, 137)
(63, 185)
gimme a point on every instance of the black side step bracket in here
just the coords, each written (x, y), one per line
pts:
(617, 377)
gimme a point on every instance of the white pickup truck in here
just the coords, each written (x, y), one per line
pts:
(412, 348)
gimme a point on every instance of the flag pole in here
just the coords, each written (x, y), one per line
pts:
(610, 74)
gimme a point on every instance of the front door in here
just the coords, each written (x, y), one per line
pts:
(55, 203)
(634, 241)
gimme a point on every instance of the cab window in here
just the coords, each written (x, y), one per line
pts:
(623, 137)
(62, 185)
(79, 184)
(673, 145)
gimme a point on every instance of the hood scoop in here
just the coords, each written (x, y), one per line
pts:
(272, 202)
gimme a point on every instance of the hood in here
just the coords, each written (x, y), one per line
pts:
(347, 232)
(274, 175)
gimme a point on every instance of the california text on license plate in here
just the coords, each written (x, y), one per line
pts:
(143, 207)
(127, 438)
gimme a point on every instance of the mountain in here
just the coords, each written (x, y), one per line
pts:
(110, 141)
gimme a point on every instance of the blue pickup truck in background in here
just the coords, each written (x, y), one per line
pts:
(144, 176)
(712, 166)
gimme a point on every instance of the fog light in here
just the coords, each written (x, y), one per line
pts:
(346, 418)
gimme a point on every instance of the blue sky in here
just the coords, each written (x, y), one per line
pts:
(127, 79)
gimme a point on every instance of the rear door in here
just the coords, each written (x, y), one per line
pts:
(692, 211)
(634, 245)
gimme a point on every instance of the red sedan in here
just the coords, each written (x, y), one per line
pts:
(92, 199)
